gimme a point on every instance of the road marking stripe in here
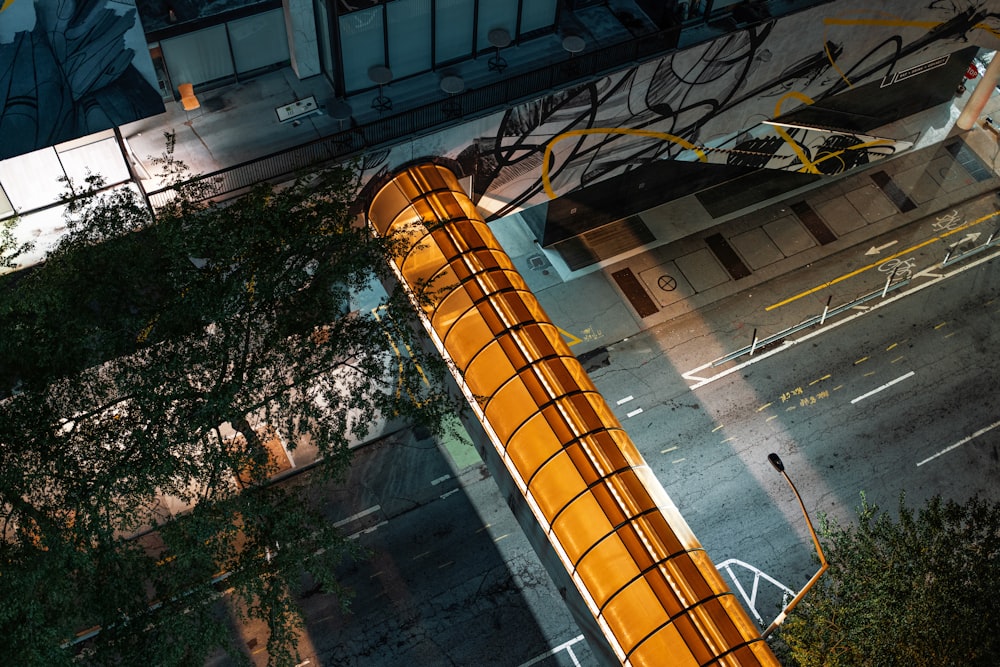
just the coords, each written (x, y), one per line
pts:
(899, 358)
(625, 400)
(961, 442)
(861, 360)
(717, 428)
(445, 495)
(771, 417)
(679, 460)
(764, 407)
(370, 510)
(497, 539)
(891, 347)
(634, 412)
(668, 449)
(442, 478)
(885, 386)
(943, 324)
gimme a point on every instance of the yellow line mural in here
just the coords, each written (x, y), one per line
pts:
(546, 181)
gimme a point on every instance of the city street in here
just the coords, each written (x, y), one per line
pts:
(892, 396)
(871, 405)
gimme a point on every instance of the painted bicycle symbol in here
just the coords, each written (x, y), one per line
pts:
(901, 269)
(947, 221)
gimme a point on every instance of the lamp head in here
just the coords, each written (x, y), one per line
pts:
(776, 462)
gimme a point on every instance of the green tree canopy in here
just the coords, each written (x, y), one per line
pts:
(151, 364)
(919, 590)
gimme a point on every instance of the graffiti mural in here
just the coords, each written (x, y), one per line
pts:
(716, 103)
(69, 68)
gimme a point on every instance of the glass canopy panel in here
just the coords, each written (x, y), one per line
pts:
(580, 525)
(532, 445)
(555, 485)
(602, 447)
(634, 613)
(607, 568)
(421, 265)
(388, 203)
(509, 408)
(487, 371)
(449, 309)
(467, 337)
(666, 641)
(438, 288)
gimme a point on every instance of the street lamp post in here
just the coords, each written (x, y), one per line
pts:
(823, 565)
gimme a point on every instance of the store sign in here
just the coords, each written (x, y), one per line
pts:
(902, 75)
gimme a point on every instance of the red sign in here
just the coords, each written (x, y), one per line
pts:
(972, 72)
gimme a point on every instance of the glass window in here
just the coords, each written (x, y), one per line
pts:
(495, 14)
(362, 45)
(323, 36)
(259, 40)
(453, 23)
(198, 57)
(537, 14)
(409, 36)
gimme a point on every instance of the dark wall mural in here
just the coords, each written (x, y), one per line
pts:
(716, 103)
(69, 68)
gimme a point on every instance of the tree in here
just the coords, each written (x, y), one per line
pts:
(163, 362)
(916, 591)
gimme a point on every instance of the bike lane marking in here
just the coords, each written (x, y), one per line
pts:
(882, 260)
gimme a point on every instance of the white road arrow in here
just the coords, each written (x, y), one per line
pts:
(876, 250)
(969, 238)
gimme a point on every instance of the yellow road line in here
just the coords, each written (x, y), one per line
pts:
(943, 324)
(861, 360)
(764, 407)
(882, 260)
(717, 428)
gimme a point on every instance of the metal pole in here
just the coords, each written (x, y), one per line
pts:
(888, 281)
(824, 565)
(753, 343)
(826, 309)
(979, 97)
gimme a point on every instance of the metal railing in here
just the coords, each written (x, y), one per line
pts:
(470, 104)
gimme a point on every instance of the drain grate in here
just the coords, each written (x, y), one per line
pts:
(635, 292)
(968, 158)
(721, 248)
(813, 223)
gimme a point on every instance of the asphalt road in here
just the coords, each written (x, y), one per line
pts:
(900, 398)
(871, 405)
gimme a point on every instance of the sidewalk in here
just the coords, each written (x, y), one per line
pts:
(718, 285)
